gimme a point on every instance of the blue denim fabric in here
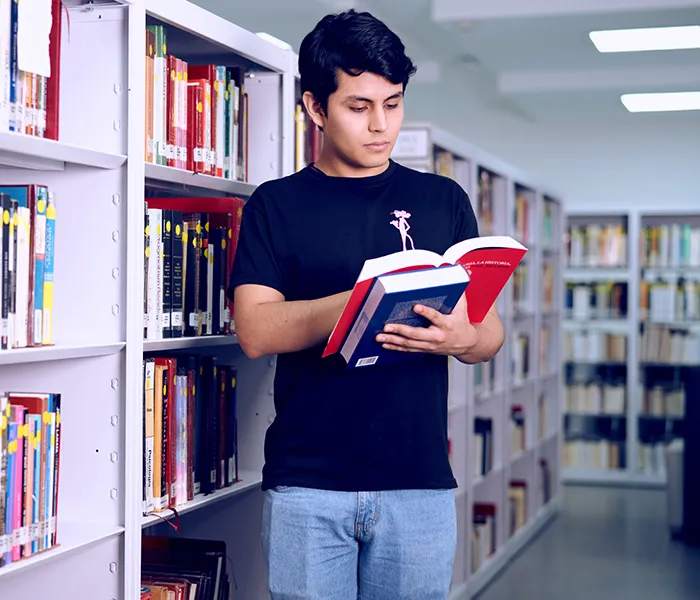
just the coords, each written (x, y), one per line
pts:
(388, 545)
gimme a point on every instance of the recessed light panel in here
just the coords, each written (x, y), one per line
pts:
(642, 40)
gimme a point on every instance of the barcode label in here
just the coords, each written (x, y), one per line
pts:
(366, 362)
(177, 319)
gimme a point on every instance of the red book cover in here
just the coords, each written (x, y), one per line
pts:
(490, 261)
(196, 125)
(53, 83)
(208, 72)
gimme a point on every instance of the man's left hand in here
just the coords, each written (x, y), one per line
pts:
(451, 335)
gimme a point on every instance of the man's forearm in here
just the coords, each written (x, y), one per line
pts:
(489, 342)
(280, 327)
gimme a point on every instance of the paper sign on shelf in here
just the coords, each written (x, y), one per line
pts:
(33, 29)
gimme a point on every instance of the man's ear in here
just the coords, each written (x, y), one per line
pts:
(314, 109)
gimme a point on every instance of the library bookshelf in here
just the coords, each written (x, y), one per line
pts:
(503, 415)
(99, 177)
(632, 322)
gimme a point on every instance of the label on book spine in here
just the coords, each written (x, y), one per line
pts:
(4, 544)
(212, 476)
(231, 469)
(166, 320)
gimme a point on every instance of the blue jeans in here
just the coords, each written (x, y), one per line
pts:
(389, 545)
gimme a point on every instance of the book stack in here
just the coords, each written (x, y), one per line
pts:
(594, 454)
(518, 442)
(308, 138)
(596, 397)
(547, 358)
(190, 245)
(664, 401)
(486, 203)
(30, 72)
(190, 429)
(521, 215)
(179, 568)
(601, 300)
(548, 287)
(30, 449)
(669, 302)
(484, 540)
(594, 347)
(549, 215)
(517, 504)
(521, 289)
(196, 115)
(27, 243)
(484, 378)
(670, 245)
(520, 357)
(597, 245)
(483, 446)
(667, 345)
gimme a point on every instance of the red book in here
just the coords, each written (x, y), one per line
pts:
(53, 83)
(195, 123)
(208, 73)
(490, 262)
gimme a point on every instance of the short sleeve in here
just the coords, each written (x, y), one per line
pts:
(466, 225)
(255, 261)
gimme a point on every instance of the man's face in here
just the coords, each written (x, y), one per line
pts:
(364, 118)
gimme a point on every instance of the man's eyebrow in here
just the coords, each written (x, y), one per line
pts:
(362, 99)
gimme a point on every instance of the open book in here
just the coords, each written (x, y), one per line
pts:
(490, 262)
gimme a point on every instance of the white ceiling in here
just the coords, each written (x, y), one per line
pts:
(540, 68)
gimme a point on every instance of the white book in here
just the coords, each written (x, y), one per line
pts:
(155, 275)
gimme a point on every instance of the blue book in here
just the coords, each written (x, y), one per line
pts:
(392, 299)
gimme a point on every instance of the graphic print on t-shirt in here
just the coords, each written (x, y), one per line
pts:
(401, 223)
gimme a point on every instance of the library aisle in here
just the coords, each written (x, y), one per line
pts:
(607, 542)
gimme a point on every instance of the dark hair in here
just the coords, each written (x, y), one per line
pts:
(355, 42)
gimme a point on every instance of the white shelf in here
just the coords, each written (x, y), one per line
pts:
(606, 325)
(49, 353)
(593, 274)
(28, 152)
(72, 537)
(187, 180)
(611, 477)
(248, 481)
(479, 580)
(204, 341)
(671, 273)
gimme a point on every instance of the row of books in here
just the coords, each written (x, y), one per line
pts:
(598, 454)
(483, 446)
(548, 298)
(484, 378)
(190, 429)
(594, 346)
(521, 288)
(601, 300)
(670, 245)
(666, 302)
(597, 245)
(30, 450)
(484, 541)
(179, 568)
(196, 115)
(664, 401)
(651, 458)
(521, 216)
(543, 414)
(546, 355)
(447, 164)
(27, 243)
(308, 138)
(550, 224)
(517, 430)
(29, 86)
(596, 398)
(659, 344)
(189, 245)
(486, 203)
(520, 357)
(517, 505)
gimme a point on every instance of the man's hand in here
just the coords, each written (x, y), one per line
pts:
(450, 335)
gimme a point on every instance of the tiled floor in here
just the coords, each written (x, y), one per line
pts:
(606, 544)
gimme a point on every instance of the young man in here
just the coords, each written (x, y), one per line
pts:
(359, 490)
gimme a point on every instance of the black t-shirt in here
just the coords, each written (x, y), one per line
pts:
(307, 236)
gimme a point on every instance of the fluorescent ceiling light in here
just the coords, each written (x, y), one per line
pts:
(661, 102)
(273, 40)
(640, 40)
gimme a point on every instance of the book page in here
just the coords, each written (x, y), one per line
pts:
(34, 21)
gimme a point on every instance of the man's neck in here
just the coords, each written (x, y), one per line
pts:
(334, 166)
